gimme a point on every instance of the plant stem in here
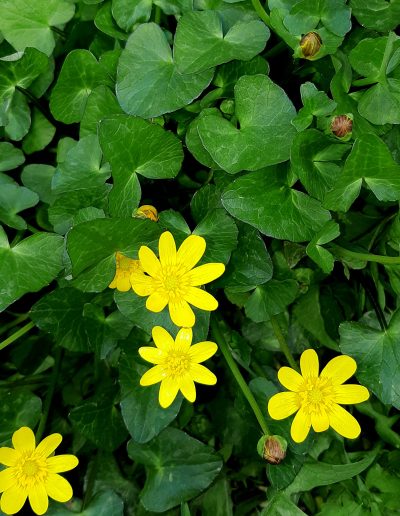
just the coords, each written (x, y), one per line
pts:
(58, 31)
(50, 393)
(261, 12)
(13, 323)
(367, 257)
(157, 15)
(16, 335)
(223, 346)
(276, 50)
(282, 343)
(90, 482)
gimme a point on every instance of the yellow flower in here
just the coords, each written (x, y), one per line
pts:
(173, 281)
(32, 472)
(124, 268)
(177, 364)
(147, 211)
(317, 398)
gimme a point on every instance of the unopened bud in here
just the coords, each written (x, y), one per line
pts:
(310, 44)
(147, 212)
(342, 125)
(227, 106)
(272, 448)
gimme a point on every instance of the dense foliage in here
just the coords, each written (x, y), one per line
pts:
(271, 131)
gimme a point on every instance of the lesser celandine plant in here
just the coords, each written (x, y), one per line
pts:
(198, 207)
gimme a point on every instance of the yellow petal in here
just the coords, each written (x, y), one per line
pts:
(320, 421)
(142, 285)
(13, 499)
(202, 351)
(152, 376)
(188, 388)
(149, 261)
(156, 302)
(38, 498)
(290, 379)
(201, 374)
(162, 339)
(190, 251)
(349, 394)
(24, 439)
(58, 488)
(113, 284)
(181, 314)
(339, 369)
(201, 299)
(167, 249)
(205, 273)
(301, 425)
(48, 445)
(7, 479)
(183, 340)
(168, 390)
(152, 355)
(123, 283)
(282, 405)
(61, 463)
(343, 422)
(309, 364)
(8, 456)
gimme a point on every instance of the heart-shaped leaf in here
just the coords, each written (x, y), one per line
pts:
(148, 82)
(13, 199)
(264, 113)
(378, 15)
(10, 156)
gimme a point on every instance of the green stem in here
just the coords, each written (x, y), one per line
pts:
(157, 15)
(282, 343)
(15, 322)
(223, 346)
(365, 82)
(60, 32)
(261, 12)
(50, 394)
(90, 483)
(16, 335)
(367, 257)
(276, 50)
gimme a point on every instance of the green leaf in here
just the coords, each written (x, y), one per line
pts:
(10, 156)
(377, 355)
(101, 103)
(40, 135)
(103, 503)
(159, 156)
(98, 420)
(127, 13)
(80, 75)
(148, 83)
(28, 24)
(369, 162)
(316, 252)
(18, 408)
(281, 505)
(92, 246)
(263, 200)
(105, 22)
(250, 264)
(378, 15)
(178, 468)
(20, 69)
(17, 116)
(13, 199)
(202, 42)
(143, 416)
(314, 473)
(264, 113)
(81, 167)
(315, 103)
(272, 298)
(312, 156)
(194, 143)
(29, 266)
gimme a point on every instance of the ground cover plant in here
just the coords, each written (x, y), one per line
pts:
(199, 257)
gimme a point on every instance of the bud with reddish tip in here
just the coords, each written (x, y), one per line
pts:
(310, 44)
(147, 212)
(342, 125)
(272, 448)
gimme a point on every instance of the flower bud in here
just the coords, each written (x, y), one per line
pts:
(272, 448)
(227, 106)
(147, 212)
(310, 44)
(342, 125)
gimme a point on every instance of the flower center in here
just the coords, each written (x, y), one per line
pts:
(172, 281)
(30, 467)
(177, 364)
(31, 470)
(317, 394)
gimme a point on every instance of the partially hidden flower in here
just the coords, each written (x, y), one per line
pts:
(173, 279)
(32, 472)
(272, 448)
(147, 211)
(310, 44)
(124, 267)
(178, 364)
(317, 398)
